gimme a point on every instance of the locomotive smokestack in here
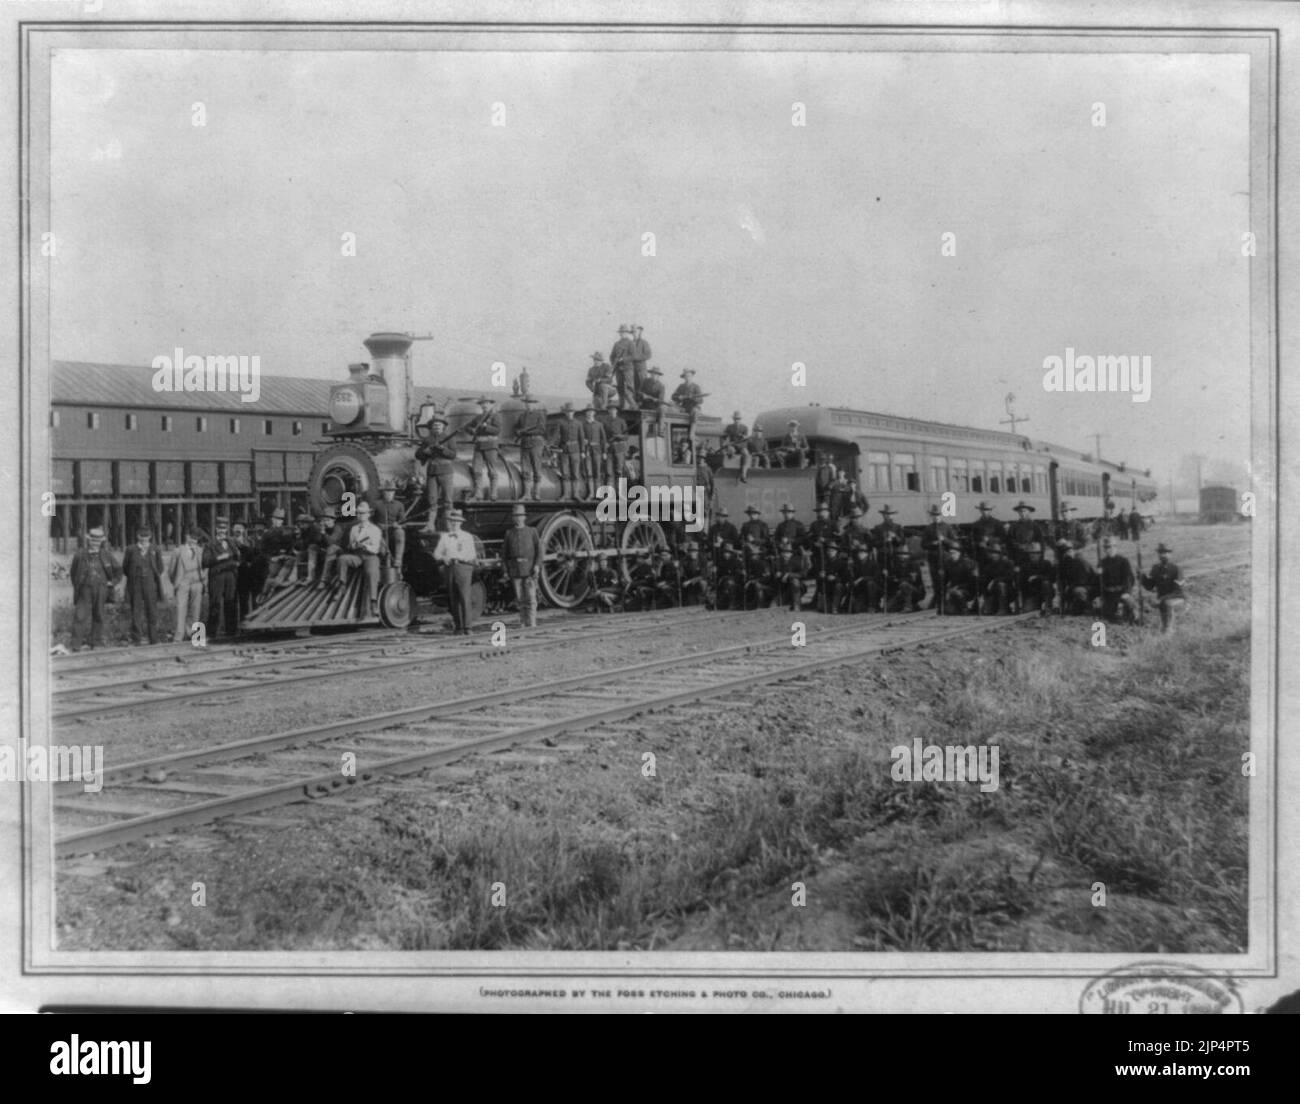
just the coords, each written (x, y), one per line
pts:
(389, 356)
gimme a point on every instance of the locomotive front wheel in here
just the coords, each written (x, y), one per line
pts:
(567, 548)
(396, 602)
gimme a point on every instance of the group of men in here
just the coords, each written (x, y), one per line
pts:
(219, 579)
(752, 447)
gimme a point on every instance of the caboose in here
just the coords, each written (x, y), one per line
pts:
(374, 435)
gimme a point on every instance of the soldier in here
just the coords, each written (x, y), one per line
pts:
(1166, 580)
(696, 577)
(651, 398)
(592, 440)
(1022, 532)
(643, 580)
(388, 514)
(568, 445)
(1107, 525)
(307, 545)
(621, 358)
(997, 580)
(855, 532)
(888, 528)
(1076, 579)
(616, 439)
(731, 578)
(755, 529)
(521, 555)
(521, 385)
(824, 480)
(794, 451)
(1121, 525)
(756, 447)
(838, 577)
(93, 572)
(854, 497)
(487, 447)
(866, 579)
(985, 528)
(277, 551)
(605, 395)
(1067, 528)
(458, 554)
(439, 456)
(790, 569)
(838, 496)
(911, 581)
(735, 442)
(932, 541)
(333, 541)
(142, 568)
(688, 396)
(598, 371)
(667, 580)
(1117, 581)
(640, 356)
(760, 582)
(1134, 524)
(189, 583)
(961, 581)
(365, 548)
(788, 528)
(221, 558)
(1035, 580)
(530, 434)
(822, 528)
(603, 584)
(722, 531)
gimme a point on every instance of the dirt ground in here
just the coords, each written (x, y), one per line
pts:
(771, 819)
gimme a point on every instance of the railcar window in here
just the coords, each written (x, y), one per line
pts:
(1040, 480)
(681, 441)
(655, 447)
(938, 473)
(977, 477)
(876, 472)
(995, 477)
(132, 421)
(905, 478)
(960, 477)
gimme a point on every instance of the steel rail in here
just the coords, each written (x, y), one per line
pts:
(321, 785)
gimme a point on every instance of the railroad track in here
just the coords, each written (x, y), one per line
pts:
(230, 672)
(169, 792)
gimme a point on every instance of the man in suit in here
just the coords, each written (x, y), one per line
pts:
(521, 555)
(458, 554)
(221, 558)
(365, 549)
(142, 568)
(189, 583)
(94, 572)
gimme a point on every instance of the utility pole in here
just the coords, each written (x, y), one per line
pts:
(1012, 418)
(1096, 437)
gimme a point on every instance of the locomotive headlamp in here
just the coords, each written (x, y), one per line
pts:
(345, 405)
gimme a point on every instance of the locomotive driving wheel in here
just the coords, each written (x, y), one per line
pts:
(567, 548)
(638, 537)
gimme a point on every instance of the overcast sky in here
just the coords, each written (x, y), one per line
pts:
(774, 243)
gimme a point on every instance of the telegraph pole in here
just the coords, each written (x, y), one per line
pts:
(1096, 437)
(1012, 418)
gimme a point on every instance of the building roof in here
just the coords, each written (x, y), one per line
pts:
(78, 383)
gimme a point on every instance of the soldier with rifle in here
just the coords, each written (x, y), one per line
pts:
(439, 457)
(999, 580)
(866, 579)
(932, 540)
(1117, 582)
(759, 584)
(961, 581)
(755, 529)
(594, 447)
(1034, 583)
(568, 448)
(530, 434)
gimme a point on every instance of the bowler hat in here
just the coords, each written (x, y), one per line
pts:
(1023, 505)
(983, 506)
(95, 533)
(887, 509)
(363, 505)
(1162, 547)
(455, 515)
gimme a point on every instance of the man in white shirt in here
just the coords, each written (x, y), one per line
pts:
(456, 550)
(365, 542)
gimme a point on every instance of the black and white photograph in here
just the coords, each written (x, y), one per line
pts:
(756, 508)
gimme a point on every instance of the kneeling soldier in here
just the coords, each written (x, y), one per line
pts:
(1166, 580)
(998, 579)
(960, 580)
(1076, 579)
(1116, 584)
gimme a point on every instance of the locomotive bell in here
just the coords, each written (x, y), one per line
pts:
(389, 354)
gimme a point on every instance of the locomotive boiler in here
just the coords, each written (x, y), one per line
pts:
(373, 437)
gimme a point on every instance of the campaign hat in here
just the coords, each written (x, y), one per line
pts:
(1023, 505)
(1162, 547)
(752, 510)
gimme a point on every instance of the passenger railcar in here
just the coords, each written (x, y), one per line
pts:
(909, 465)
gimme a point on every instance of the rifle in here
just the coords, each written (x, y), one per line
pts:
(1140, 588)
